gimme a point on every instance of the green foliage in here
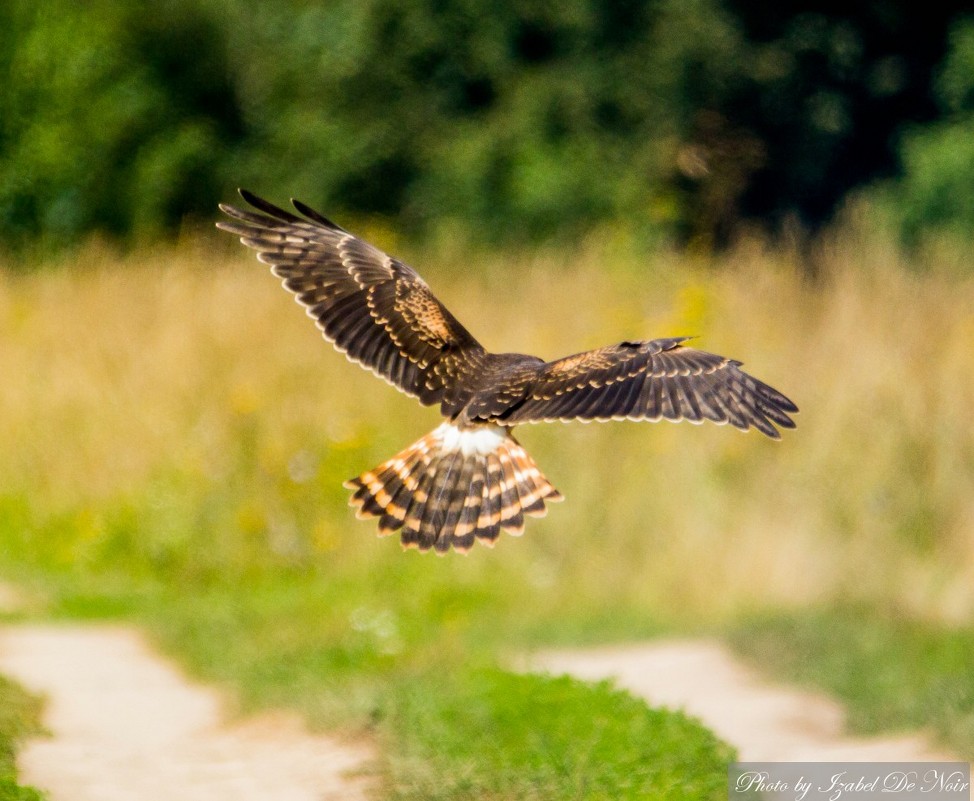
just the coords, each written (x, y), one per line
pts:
(523, 119)
(112, 118)
(491, 734)
(891, 672)
(956, 83)
(504, 120)
(19, 718)
(934, 195)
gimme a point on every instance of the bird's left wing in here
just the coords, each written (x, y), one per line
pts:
(372, 307)
(649, 381)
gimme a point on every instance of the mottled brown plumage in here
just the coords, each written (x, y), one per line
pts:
(475, 494)
(470, 478)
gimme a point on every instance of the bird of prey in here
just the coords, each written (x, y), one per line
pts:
(469, 478)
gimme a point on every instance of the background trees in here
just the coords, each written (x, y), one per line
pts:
(514, 120)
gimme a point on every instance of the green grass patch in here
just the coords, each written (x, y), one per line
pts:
(409, 659)
(891, 673)
(422, 681)
(488, 734)
(181, 465)
(19, 718)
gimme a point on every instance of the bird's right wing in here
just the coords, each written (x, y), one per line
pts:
(650, 381)
(375, 309)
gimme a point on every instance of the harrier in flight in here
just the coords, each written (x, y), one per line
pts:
(469, 478)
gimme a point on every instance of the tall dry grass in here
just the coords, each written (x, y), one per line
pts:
(176, 408)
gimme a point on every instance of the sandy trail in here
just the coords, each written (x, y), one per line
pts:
(765, 722)
(128, 726)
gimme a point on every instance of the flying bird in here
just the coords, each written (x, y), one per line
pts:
(469, 478)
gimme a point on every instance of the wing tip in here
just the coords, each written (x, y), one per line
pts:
(316, 216)
(249, 196)
(259, 203)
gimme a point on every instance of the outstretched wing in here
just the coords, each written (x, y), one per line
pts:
(372, 307)
(649, 381)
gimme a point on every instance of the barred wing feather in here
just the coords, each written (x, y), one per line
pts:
(649, 381)
(374, 308)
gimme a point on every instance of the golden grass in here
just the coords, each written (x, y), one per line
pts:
(159, 380)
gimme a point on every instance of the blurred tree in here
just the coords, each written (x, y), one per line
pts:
(936, 192)
(112, 117)
(514, 119)
(521, 119)
(832, 84)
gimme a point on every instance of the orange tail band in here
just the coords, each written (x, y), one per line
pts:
(452, 487)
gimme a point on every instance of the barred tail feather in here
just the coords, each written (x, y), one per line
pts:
(453, 487)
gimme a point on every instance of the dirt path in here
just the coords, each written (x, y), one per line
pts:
(128, 726)
(765, 722)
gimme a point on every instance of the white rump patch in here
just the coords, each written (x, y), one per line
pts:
(478, 440)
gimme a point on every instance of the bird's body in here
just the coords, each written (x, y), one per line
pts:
(469, 479)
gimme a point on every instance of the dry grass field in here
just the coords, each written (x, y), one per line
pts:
(175, 435)
(174, 411)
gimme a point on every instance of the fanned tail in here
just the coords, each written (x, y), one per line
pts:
(452, 487)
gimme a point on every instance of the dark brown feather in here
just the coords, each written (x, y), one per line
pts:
(649, 381)
(444, 495)
(374, 308)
